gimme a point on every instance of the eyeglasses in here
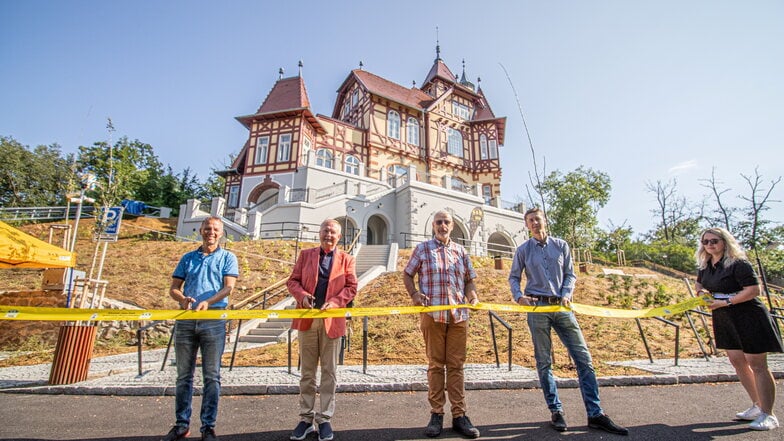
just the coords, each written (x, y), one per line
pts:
(443, 222)
(710, 241)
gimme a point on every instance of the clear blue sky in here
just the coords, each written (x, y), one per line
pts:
(643, 90)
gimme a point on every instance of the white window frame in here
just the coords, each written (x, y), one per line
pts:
(482, 147)
(460, 110)
(262, 150)
(284, 147)
(396, 174)
(234, 196)
(393, 124)
(351, 165)
(487, 192)
(458, 184)
(493, 149)
(325, 158)
(412, 127)
(454, 142)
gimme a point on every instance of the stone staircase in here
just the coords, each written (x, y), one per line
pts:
(271, 331)
(372, 255)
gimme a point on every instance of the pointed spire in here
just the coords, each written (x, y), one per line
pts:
(300, 68)
(438, 47)
(280, 73)
(361, 64)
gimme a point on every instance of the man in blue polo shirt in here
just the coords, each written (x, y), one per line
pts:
(203, 280)
(550, 280)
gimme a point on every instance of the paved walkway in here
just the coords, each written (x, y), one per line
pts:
(118, 375)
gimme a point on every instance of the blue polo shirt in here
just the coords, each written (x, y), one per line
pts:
(203, 274)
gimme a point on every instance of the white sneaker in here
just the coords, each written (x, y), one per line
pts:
(749, 414)
(765, 422)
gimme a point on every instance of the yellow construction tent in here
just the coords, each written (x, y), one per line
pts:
(20, 250)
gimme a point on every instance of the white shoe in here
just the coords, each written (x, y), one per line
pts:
(765, 422)
(750, 414)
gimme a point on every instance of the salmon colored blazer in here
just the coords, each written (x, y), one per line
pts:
(341, 289)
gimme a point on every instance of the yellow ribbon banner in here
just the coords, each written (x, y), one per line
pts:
(58, 314)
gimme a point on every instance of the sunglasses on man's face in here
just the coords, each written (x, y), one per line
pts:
(710, 241)
(443, 222)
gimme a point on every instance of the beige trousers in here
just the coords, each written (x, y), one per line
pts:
(314, 347)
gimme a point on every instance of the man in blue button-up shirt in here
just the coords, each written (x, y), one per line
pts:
(550, 279)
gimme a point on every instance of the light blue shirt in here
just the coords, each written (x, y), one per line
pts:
(203, 275)
(548, 267)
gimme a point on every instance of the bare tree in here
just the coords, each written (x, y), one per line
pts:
(724, 211)
(759, 201)
(677, 219)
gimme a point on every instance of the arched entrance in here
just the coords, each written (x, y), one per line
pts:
(377, 231)
(349, 228)
(498, 244)
(265, 195)
(459, 234)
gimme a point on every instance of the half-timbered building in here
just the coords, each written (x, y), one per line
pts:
(386, 159)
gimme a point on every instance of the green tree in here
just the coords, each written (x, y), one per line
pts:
(37, 177)
(122, 172)
(574, 199)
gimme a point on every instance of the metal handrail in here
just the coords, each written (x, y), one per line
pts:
(677, 337)
(495, 316)
(278, 289)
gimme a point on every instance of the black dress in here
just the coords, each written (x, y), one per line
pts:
(745, 326)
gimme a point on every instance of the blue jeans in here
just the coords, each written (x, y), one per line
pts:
(189, 337)
(565, 325)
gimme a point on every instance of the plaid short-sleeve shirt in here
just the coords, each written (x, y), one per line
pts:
(443, 272)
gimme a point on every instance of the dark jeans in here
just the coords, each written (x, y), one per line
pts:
(190, 336)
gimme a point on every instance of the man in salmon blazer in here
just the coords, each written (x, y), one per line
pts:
(323, 277)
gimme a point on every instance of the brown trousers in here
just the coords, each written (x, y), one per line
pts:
(445, 345)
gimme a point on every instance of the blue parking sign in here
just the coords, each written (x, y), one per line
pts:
(110, 222)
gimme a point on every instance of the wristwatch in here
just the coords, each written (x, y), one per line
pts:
(729, 301)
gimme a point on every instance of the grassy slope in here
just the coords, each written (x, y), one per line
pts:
(139, 265)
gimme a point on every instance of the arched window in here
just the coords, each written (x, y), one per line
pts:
(393, 124)
(454, 142)
(325, 158)
(413, 130)
(482, 147)
(352, 165)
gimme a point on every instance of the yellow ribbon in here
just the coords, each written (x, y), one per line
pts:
(66, 314)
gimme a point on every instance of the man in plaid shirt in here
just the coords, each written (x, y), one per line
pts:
(446, 277)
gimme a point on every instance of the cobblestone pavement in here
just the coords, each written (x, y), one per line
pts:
(119, 375)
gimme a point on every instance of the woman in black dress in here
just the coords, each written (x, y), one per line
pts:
(741, 323)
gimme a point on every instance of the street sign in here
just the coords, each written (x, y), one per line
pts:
(110, 224)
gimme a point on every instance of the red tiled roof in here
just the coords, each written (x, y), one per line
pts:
(376, 85)
(286, 94)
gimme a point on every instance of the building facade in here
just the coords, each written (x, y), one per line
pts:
(383, 163)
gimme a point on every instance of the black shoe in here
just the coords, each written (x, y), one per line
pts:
(325, 431)
(177, 432)
(301, 431)
(603, 422)
(463, 426)
(435, 425)
(209, 435)
(557, 421)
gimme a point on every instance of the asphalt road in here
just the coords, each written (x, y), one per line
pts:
(684, 412)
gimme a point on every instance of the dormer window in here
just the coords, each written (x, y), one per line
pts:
(461, 111)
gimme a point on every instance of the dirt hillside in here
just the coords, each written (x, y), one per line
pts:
(138, 268)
